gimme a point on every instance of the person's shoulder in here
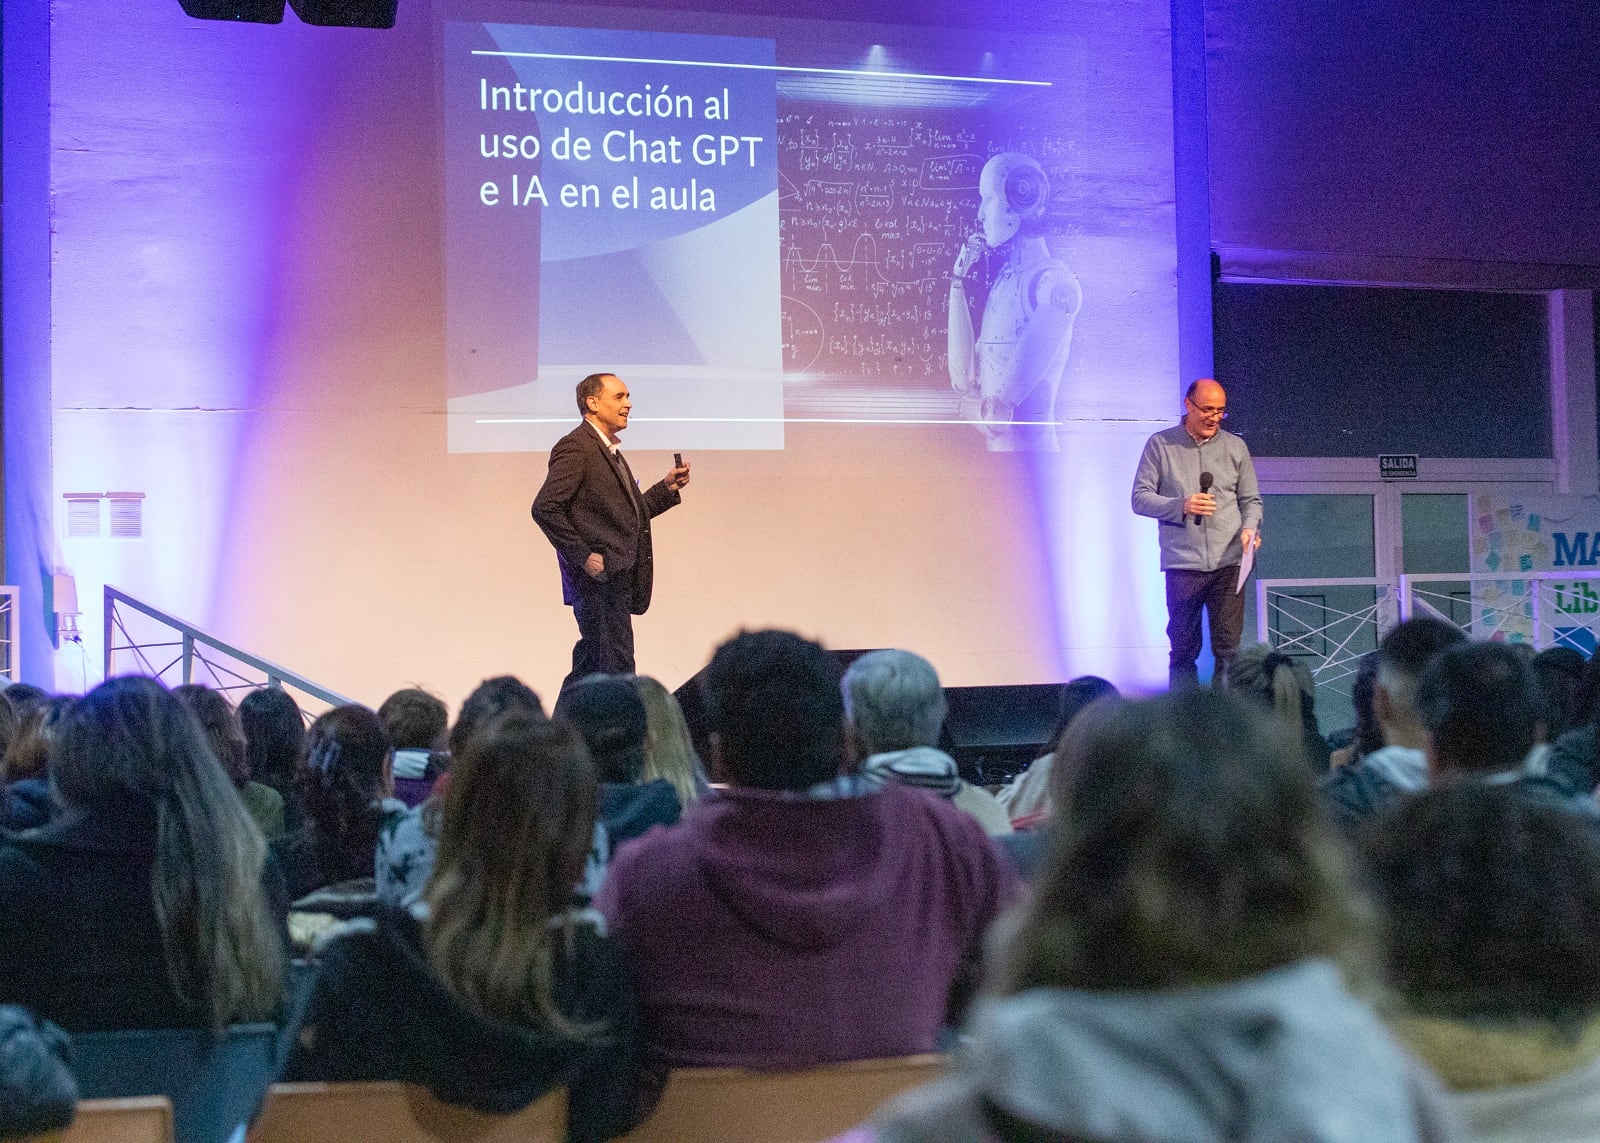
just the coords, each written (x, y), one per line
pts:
(579, 436)
(1235, 442)
(938, 817)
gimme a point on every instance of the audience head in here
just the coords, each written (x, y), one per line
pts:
(1190, 849)
(345, 771)
(668, 748)
(1481, 708)
(414, 720)
(492, 698)
(1368, 734)
(1403, 655)
(893, 701)
(1559, 673)
(1075, 699)
(220, 726)
(128, 743)
(516, 827)
(8, 730)
(1279, 682)
(28, 754)
(774, 710)
(1491, 901)
(25, 697)
(608, 712)
(274, 735)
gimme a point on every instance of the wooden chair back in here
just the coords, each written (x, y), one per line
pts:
(397, 1113)
(137, 1119)
(730, 1105)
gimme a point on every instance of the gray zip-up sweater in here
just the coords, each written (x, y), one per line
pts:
(1169, 472)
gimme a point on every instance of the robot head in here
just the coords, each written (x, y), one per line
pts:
(1015, 190)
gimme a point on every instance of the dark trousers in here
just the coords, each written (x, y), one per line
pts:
(1187, 593)
(605, 629)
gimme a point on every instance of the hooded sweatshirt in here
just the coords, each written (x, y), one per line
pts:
(776, 930)
(377, 1012)
(933, 770)
(1288, 1055)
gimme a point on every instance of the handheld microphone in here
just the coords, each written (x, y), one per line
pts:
(1206, 481)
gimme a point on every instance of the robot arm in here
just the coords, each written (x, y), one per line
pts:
(963, 370)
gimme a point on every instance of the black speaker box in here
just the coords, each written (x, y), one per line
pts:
(243, 11)
(347, 13)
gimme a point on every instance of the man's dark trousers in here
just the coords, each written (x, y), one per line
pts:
(1187, 593)
(605, 628)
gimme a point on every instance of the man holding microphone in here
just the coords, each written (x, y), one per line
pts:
(1199, 483)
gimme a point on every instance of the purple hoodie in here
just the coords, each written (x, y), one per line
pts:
(774, 931)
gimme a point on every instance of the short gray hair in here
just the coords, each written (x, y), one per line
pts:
(894, 700)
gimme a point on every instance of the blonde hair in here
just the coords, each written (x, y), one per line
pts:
(668, 750)
(517, 824)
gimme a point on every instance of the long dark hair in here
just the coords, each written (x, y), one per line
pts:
(130, 741)
(1190, 850)
(343, 777)
(274, 736)
(517, 824)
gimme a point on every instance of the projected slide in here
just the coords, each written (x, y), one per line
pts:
(756, 232)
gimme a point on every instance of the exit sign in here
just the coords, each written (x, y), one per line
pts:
(1398, 466)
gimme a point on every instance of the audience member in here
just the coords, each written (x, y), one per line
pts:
(274, 739)
(8, 725)
(608, 712)
(408, 842)
(344, 786)
(494, 990)
(1351, 794)
(1484, 716)
(226, 739)
(1558, 672)
(1027, 797)
(1366, 735)
(24, 697)
(26, 800)
(415, 722)
(1181, 971)
(894, 707)
(803, 914)
(668, 749)
(1283, 684)
(1492, 906)
(141, 904)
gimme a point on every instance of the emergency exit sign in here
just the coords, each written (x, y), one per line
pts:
(1398, 466)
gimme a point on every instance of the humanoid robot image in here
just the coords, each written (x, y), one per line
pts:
(1008, 376)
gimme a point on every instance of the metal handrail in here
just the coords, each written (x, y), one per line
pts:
(10, 644)
(1409, 603)
(197, 646)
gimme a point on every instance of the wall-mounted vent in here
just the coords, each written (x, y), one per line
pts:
(83, 515)
(127, 515)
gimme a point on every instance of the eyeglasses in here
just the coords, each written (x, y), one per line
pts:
(1220, 413)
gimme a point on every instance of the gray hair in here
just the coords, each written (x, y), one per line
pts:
(894, 701)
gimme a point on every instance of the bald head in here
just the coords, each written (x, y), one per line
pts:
(1204, 406)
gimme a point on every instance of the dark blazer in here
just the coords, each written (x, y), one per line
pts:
(586, 505)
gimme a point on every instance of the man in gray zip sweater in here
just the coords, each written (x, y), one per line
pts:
(1203, 533)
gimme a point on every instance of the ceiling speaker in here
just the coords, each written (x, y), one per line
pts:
(346, 13)
(243, 11)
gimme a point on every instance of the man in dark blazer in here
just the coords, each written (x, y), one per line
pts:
(591, 510)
